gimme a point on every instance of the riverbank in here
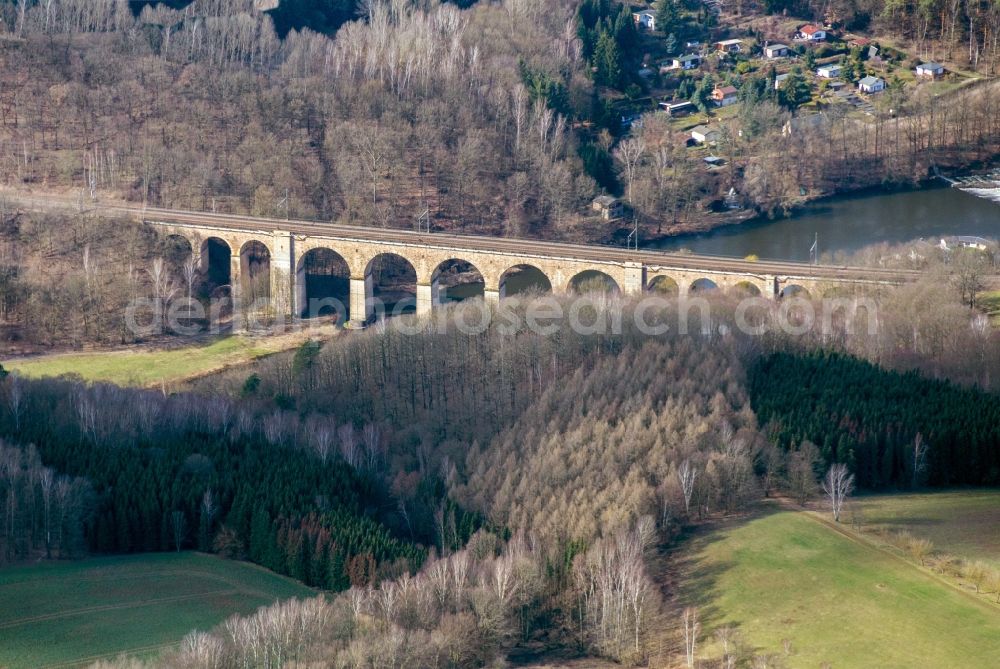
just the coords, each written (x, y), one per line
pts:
(843, 224)
(751, 217)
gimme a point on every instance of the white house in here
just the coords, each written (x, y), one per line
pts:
(829, 71)
(930, 70)
(772, 51)
(965, 242)
(646, 19)
(674, 109)
(688, 61)
(871, 84)
(703, 134)
(779, 79)
(811, 32)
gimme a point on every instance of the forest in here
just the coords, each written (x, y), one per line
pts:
(214, 106)
(179, 472)
(894, 430)
(485, 587)
(468, 494)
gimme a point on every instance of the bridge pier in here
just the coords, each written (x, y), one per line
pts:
(361, 303)
(425, 299)
(239, 323)
(491, 296)
(283, 276)
(635, 279)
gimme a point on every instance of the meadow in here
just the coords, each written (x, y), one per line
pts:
(155, 367)
(964, 523)
(787, 575)
(989, 302)
(56, 614)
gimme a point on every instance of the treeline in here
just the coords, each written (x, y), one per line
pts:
(184, 472)
(205, 107)
(69, 279)
(462, 611)
(892, 429)
(44, 512)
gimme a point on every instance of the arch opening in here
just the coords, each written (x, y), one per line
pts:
(176, 251)
(524, 279)
(794, 290)
(255, 271)
(745, 289)
(664, 285)
(703, 286)
(393, 282)
(216, 266)
(455, 280)
(593, 281)
(323, 285)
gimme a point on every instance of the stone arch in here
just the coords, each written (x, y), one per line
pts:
(593, 281)
(745, 288)
(177, 251)
(216, 263)
(323, 284)
(703, 285)
(255, 271)
(664, 285)
(523, 278)
(176, 247)
(454, 280)
(391, 281)
(795, 290)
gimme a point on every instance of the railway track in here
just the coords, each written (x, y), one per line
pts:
(505, 245)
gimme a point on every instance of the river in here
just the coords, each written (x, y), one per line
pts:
(845, 224)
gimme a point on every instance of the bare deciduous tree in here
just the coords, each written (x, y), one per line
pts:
(838, 485)
(629, 152)
(687, 475)
(15, 401)
(691, 628)
(46, 481)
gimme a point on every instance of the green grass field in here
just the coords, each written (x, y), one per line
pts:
(145, 367)
(990, 303)
(786, 575)
(58, 614)
(964, 523)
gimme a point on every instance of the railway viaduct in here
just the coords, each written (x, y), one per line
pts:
(288, 244)
(276, 253)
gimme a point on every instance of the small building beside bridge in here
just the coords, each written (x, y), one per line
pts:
(608, 207)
